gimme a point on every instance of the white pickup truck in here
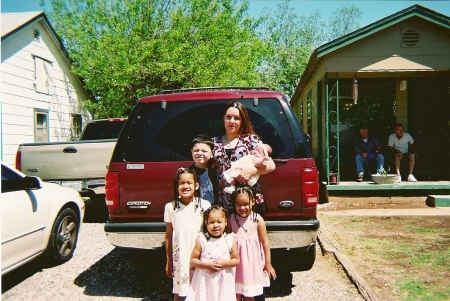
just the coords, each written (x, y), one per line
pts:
(81, 165)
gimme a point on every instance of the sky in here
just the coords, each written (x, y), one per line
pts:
(372, 11)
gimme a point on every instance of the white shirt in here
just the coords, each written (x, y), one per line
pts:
(400, 144)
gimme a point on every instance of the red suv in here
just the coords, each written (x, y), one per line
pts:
(156, 140)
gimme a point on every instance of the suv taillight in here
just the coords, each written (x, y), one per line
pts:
(310, 191)
(19, 160)
(112, 190)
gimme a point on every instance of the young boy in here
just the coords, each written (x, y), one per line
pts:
(201, 151)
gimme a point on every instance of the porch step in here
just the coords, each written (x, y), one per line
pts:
(364, 193)
(438, 201)
(376, 200)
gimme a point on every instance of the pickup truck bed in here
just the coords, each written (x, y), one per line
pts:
(80, 165)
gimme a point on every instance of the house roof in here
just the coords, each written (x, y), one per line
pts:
(321, 52)
(14, 22)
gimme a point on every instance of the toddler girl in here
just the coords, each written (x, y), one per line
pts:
(251, 237)
(184, 219)
(214, 256)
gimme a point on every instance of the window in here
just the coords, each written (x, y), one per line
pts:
(76, 126)
(41, 126)
(165, 135)
(42, 75)
(10, 180)
(309, 112)
(103, 129)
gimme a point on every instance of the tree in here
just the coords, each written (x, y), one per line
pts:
(126, 49)
(344, 20)
(290, 41)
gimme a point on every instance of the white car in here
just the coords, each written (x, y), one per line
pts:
(37, 218)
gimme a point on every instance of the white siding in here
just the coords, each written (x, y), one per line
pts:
(19, 97)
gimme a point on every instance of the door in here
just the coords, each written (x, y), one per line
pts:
(429, 119)
(22, 225)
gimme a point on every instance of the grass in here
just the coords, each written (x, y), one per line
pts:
(417, 290)
(402, 258)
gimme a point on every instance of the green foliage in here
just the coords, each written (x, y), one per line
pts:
(290, 40)
(126, 49)
(345, 20)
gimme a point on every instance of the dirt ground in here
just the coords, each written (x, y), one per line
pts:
(400, 257)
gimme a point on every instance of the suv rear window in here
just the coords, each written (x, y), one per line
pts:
(162, 135)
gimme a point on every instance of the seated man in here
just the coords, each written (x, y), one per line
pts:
(367, 148)
(402, 145)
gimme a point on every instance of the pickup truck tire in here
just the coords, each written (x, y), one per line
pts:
(308, 257)
(63, 238)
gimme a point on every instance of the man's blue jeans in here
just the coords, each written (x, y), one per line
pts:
(360, 160)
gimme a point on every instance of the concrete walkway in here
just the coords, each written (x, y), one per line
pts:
(427, 211)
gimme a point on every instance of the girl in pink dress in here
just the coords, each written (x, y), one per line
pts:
(214, 257)
(255, 268)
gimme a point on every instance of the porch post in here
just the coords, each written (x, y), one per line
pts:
(338, 129)
(327, 132)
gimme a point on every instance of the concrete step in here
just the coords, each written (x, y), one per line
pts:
(438, 201)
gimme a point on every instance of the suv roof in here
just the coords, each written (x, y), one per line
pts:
(208, 95)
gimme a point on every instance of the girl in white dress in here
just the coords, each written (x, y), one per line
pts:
(214, 257)
(184, 220)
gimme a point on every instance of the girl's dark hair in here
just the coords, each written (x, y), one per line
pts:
(176, 195)
(214, 207)
(246, 125)
(247, 190)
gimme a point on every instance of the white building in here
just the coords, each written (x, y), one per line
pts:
(41, 99)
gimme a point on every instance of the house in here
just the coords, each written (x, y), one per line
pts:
(394, 70)
(41, 99)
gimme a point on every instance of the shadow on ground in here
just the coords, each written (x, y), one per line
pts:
(136, 273)
(284, 262)
(96, 211)
(20, 274)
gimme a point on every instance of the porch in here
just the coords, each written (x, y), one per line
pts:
(368, 193)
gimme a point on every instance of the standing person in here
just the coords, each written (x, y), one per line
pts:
(238, 141)
(255, 268)
(201, 150)
(214, 257)
(402, 145)
(184, 219)
(367, 148)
